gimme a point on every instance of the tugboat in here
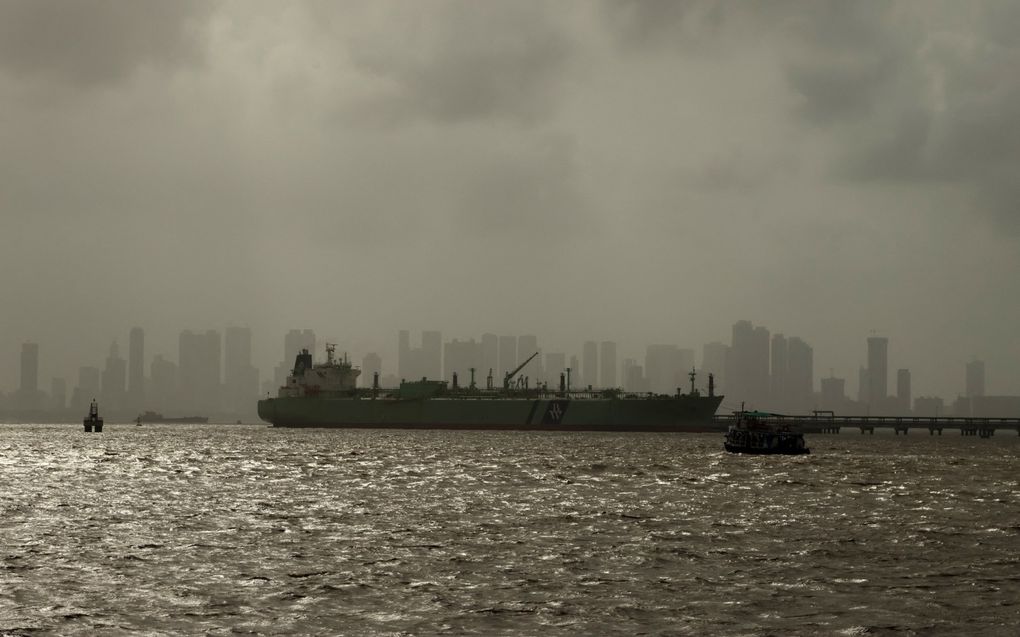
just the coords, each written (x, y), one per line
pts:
(93, 422)
(753, 433)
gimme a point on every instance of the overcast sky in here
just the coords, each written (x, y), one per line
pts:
(640, 171)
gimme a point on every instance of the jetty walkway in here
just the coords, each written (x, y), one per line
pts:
(827, 422)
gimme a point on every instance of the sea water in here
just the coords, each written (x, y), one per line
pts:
(222, 529)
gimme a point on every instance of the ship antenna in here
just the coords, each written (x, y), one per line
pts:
(693, 375)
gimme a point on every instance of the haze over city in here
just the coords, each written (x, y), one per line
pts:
(641, 172)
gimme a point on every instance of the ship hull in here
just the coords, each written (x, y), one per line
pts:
(682, 414)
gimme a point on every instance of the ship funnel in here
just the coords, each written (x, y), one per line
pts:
(375, 381)
(563, 382)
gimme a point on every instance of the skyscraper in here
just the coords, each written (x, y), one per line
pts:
(608, 367)
(747, 375)
(114, 386)
(198, 371)
(878, 371)
(903, 398)
(162, 392)
(136, 369)
(778, 390)
(371, 365)
(975, 379)
(800, 372)
(240, 377)
(28, 391)
(490, 357)
(555, 364)
(666, 368)
(713, 361)
(590, 364)
(507, 357)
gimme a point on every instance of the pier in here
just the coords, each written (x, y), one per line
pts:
(827, 422)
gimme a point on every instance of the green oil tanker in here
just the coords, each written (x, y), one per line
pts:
(327, 395)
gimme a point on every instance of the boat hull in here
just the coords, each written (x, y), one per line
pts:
(684, 413)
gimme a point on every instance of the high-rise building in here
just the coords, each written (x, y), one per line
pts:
(975, 379)
(903, 398)
(415, 363)
(666, 368)
(834, 395)
(162, 393)
(461, 357)
(294, 341)
(526, 346)
(58, 394)
(198, 371)
(371, 365)
(136, 369)
(29, 369)
(800, 371)
(555, 364)
(863, 386)
(490, 357)
(779, 364)
(432, 354)
(87, 389)
(633, 376)
(590, 364)
(507, 357)
(608, 369)
(240, 377)
(114, 386)
(713, 361)
(878, 371)
(747, 375)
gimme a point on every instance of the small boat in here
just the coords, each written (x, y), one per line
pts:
(93, 422)
(138, 421)
(754, 433)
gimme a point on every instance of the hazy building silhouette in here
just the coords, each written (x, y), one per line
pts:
(800, 376)
(415, 363)
(114, 387)
(58, 394)
(634, 376)
(28, 395)
(778, 367)
(198, 371)
(878, 371)
(747, 376)
(294, 341)
(371, 364)
(461, 356)
(863, 386)
(526, 346)
(490, 357)
(713, 361)
(903, 398)
(666, 368)
(608, 367)
(87, 389)
(929, 407)
(162, 392)
(590, 364)
(833, 395)
(136, 369)
(555, 364)
(240, 377)
(507, 356)
(975, 379)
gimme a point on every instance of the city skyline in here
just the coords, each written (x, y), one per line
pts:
(766, 369)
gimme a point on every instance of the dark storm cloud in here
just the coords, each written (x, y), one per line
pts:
(97, 42)
(465, 61)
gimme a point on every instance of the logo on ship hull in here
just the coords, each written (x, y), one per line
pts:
(555, 412)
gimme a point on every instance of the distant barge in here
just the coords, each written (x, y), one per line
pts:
(155, 418)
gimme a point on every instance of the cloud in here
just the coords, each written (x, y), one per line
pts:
(463, 61)
(97, 42)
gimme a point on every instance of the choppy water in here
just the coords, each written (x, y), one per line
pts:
(217, 529)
